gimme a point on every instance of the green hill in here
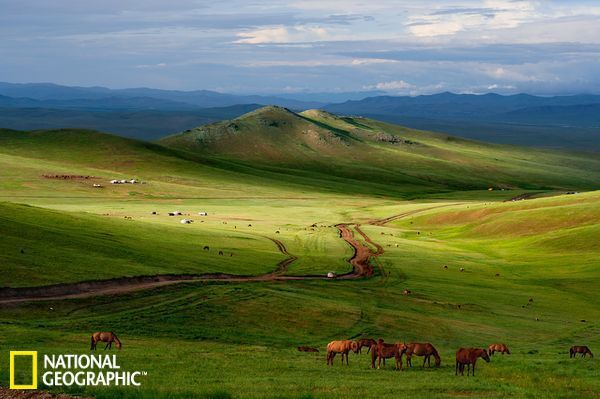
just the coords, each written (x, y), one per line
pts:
(318, 143)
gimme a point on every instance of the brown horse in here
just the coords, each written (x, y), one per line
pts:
(307, 349)
(426, 349)
(108, 337)
(381, 350)
(343, 347)
(584, 350)
(502, 348)
(469, 357)
(368, 342)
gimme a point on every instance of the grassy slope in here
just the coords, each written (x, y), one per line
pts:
(198, 338)
(188, 327)
(352, 148)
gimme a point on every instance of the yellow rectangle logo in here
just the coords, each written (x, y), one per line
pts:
(34, 369)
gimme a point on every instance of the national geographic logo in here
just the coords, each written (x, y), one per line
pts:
(72, 370)
(34, 369)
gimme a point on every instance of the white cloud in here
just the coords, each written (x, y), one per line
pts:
(283, 34)
(394, 85)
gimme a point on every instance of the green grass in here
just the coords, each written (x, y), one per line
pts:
(238, 340)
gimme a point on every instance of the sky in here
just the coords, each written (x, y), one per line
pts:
(306, 46)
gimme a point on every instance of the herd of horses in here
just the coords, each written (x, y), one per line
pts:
(381, 350)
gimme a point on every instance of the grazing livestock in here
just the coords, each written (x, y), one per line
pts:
(502, 348)
(343, 347)
(422, 349)
(221, 253)
(202, 213)
(381, 350)
(462, 269)
(331, 275)
(446, 267)
(185, 221)
(406, 292)
(368, 342)
(307, 349)
(468, 357)
(497, 274)
(108, 337)
(584, 350)
(206, 248)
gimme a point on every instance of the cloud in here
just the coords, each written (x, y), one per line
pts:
(283, 34)
(394, 85)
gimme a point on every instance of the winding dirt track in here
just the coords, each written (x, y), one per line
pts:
(359, 261)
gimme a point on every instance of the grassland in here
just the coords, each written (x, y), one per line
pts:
(215, 339)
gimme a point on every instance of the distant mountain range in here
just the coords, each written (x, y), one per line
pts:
(185, 99)
(561, 121)
(578, 110)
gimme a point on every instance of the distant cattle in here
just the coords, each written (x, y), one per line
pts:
(206, 248)
(202, 213)
(497, 274)
(221, 253)
(462, 269)
(406, 292)
(185, 221)
(445, 267)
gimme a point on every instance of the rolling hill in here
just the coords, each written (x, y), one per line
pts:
(275, 176)
(359, 149)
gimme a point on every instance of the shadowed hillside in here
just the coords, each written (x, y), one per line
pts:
(319, 143)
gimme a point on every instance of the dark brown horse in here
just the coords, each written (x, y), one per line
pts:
(468, 356)
(108, 337)
(381, 350)
(502, 348)
(422, 349)
(343, 347)
(307, 349)
(368, 342)
(584, 350)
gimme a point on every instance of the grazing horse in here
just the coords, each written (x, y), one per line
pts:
(426, 349)
(342, 347)
(108, 337)
(584, 350)
(469, 357)
(502, 348)
(384, 351)
(368, 342)
(206, 248)
(307, 349)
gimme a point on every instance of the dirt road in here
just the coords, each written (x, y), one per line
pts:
(361, 268)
